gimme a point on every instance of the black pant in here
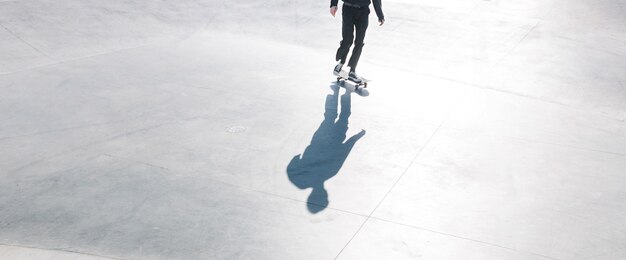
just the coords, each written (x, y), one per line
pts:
(352, 18)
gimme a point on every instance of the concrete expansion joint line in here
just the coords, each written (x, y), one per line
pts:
(567, 146)
(24, 41)
(229, 184)
(136, 161)
(463, 238)
(513, 48)
(59, 130)
(526, 140)
(509, 92)
(413, 161)
(60, 250)
(95, 142)
(478, 86)
(417, 155)
(65, 61)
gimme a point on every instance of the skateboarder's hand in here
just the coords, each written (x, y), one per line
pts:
(381, 21)
(333, 11)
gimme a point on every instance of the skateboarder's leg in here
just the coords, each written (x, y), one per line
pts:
(361, 24)
(346, 111)
(347, 34)
(330, 107)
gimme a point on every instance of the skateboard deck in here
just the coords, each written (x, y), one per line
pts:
(343, 75)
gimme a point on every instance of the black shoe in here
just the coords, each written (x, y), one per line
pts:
(337, 69)
(353, 77)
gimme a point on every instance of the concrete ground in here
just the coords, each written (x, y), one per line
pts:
(214, 130)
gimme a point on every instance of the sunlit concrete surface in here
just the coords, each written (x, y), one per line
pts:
(214, 130)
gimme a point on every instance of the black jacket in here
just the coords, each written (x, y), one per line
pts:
(377, 6)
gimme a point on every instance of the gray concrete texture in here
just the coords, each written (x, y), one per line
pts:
(214, 130)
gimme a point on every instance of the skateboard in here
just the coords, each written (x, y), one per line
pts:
(343, 75)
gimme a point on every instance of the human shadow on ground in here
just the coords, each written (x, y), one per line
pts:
(324, 157)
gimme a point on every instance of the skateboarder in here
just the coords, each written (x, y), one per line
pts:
(354, 15)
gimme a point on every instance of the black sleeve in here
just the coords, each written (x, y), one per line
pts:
(379, 9)
(333, 3)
